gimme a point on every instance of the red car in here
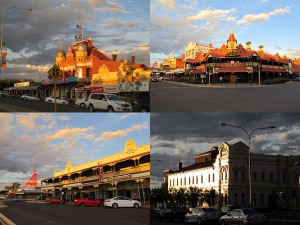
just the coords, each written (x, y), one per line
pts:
(55, 200)
(88, 202)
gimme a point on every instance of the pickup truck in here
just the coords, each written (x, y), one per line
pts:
(171, 213)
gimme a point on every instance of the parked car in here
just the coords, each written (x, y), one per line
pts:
(165, 78)
(59, 100)
(55, 200)
(243, 216)
(121, 201)
(30, 97)
(13, 95)
(88, 202)
(82, 102)
(153, 79)
(108, 102)
(202, 215)
(227, 208)
(296, 79)
(171, 213)
(3, 94)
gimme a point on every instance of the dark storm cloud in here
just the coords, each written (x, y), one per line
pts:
(179, 137)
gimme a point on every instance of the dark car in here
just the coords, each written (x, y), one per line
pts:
(13, 95)
(201, 215)
(243, 216)
(296, 79)
(227, 208)
(171, 213)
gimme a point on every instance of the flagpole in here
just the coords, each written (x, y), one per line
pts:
(81, 33)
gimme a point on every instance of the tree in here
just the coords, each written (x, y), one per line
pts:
(193, 195)
(15, 186)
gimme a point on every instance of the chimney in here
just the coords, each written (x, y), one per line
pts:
(210, 45)
(114, 57)
(180, 165)
(90, 43)
(261, 48)
(248, 45)
(132, 59)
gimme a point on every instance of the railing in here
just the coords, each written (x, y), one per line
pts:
(109, 174)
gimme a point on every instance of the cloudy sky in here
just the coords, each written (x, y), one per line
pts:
(272, 23)
(31, 37)
(46, 141)
(178, 137)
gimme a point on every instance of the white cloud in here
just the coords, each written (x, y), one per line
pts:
(167, 3)
(212, 14)
(253, 18)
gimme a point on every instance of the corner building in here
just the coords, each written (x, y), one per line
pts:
(275, 182)
(126, 173)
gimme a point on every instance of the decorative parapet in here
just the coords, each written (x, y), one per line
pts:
(130, 151)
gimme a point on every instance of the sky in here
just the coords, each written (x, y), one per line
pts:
(32, 38)
(179, 137)
(47, 141)
(271, 23)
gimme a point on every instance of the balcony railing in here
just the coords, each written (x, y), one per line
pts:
(108, 174)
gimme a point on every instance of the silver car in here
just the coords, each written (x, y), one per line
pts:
(243, 216)
(202, 215)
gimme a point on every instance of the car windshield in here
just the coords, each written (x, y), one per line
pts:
(249, 211)
(114, 98)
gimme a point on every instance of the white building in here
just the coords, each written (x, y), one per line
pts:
(275, 182)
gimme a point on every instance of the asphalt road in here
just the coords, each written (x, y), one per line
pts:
(175, 97)
(18, 105)
(154, 221)
(24, 213)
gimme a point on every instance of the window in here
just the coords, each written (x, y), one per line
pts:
(185, 181)
(263, 176)
(254, 176)
(180, 181)
(213, 177)
(193, 180)
(242, 175)
(235, 175)
(201, 179)
(173, 182)
(254, 199)
(177, 181)
(196, 179)
(208, 178)
(271, 177)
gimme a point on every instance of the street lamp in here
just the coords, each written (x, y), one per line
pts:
(2, 28)
(249, 153)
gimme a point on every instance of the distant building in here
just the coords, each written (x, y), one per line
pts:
(124, 174)
(275, 182)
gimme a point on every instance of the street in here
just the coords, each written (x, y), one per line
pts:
(181, 97)
(18, 105)
(154, 221)
(26, 213)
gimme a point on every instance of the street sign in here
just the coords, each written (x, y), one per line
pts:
(55, 72)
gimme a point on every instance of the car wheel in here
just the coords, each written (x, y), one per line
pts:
(49, 101)
(223, 222)
(136, 205)
(49, 202)
(199, 221)
(36, 100)
(61, 202)
(81, 204)
(110, 109)
(115, 205)
(82, 105)
(240, 223)
(100, 204)
(64, 104)
(91, 108)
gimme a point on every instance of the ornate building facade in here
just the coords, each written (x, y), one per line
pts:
(126, 173)
(225, 170)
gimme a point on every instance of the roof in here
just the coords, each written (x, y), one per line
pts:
(231, 36)
(112, 66)
(195, 166)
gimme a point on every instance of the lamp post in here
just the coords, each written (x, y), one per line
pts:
(249, 135)
(2, 28)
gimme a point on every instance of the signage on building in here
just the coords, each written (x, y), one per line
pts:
(71, 79)
(110, 89)
(100, 174)
(22, 84)
(79, 90)
(96, 89)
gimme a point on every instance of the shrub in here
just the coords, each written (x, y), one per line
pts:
(275, 81)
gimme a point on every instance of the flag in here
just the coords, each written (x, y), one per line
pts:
(79, 26)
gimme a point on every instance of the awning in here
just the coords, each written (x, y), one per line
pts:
(27, 88)
(233, 69)
(78, 85)
(273, 70)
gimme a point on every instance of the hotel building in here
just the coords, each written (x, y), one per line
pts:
(275, 180)
(126, 173)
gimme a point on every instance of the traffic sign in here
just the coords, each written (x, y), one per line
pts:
(55, 72)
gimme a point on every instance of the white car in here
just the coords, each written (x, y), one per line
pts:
(108, 102)
(82, 102)
(30, 97)
(58, 100)
(121, 201)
